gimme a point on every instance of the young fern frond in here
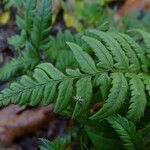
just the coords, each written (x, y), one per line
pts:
(58, 51)
(75, 87)
(24, 22)
(127, 131)
(10, 69)
(28, 15)
(25, 19)
(41, 24)
(18, 41)
(28, 59)
(34, 33)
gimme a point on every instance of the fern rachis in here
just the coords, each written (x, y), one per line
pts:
(46, 74)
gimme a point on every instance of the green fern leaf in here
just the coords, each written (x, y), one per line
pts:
(133, 59)
(65, 59)
(146, 38)
(28, 15)
(49, 84)
(127, 131)
(27, 91)
(103, 81)
(27, 59)
(86, 62)
(116, 97)
(114, 48)
(72, 72)
(102, 139)
(146, 80)
(57, 45)
(25, 20)
(10, 68)
(41, 25)
(18, 41)
(64, 94)
(50, 89)
(83, 96)
(138, 98)
(59, 52)
(51, 71)
(101, 52)
(138, 50)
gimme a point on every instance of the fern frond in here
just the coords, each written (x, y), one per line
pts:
(41, 24)
(133, 59)
(101, 52)
(102, 138)
(28, 21)
(146, 38)
(47, 79)
(114, 48)
(138, 98)
(104, 83)
(49, 71)
(116, 97)
(86, 62)
(146, 80)
(65, 59)
(27, 59)
(29, 13)
(25, 20)
(83, 95)
(43, 86)
(58, 51)
(10, 68)
(18, 41)
(64, 94)
(127, 131)
(138, 50)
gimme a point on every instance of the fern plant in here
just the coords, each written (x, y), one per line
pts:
(83, 70)
(119, 66)
(58, 52)
(35, 25)
(117, 69)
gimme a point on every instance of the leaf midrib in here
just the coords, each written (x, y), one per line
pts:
(65, 77)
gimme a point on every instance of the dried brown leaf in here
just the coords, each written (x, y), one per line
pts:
(16, 122)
